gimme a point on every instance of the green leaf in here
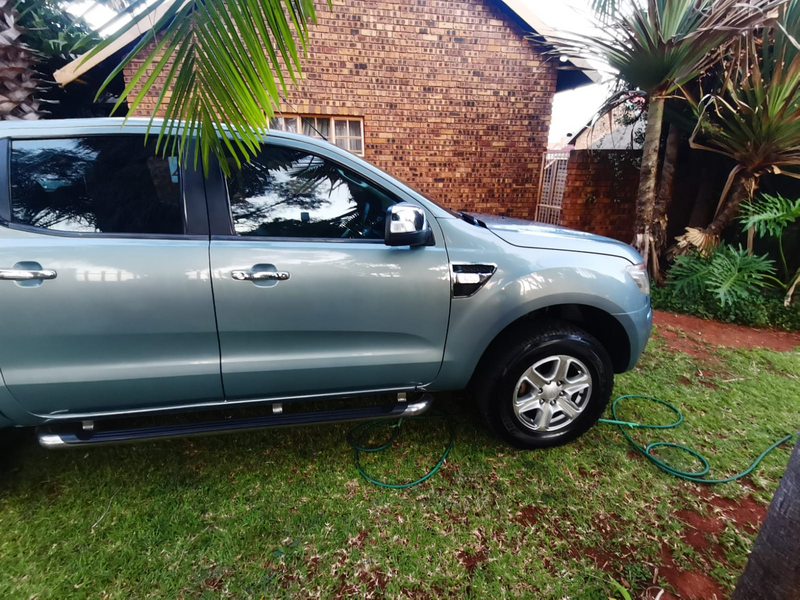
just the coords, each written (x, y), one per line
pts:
(660, 45)
(753, 114)
(620, 588)
(212, 66)
(769, 215)
(730, 274)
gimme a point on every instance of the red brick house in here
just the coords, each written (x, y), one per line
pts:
(448, 95)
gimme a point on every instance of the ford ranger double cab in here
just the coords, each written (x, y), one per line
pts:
(133, 284)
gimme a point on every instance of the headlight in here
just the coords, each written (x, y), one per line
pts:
(639, 274)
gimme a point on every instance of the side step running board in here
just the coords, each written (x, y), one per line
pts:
(80, 438)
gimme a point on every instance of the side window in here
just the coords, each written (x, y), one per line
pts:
(289, 193)
(98, 184)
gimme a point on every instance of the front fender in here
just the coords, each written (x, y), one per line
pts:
(528, 280)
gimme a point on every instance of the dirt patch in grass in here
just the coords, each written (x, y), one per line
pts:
(357, 541)
(470, 560)
(700, 534)
(705, 382)
(689, 585)
(610, 562)
(700, 531)
(528, 516)
(678, 341)
(420, 594)
(698, 332)
(373, 583)
(747, 514)
(213, 583)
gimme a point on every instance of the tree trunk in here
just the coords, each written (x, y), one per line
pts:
(705, 200)
(742, 188)
(646, 196)
(664, 198)
(773, 570)
(18, 81)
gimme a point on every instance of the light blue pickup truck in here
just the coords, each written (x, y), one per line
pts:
(131, 285)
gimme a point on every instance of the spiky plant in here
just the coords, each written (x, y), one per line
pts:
(753, 116)
(214, 65)
(18, 77)
(658, 46)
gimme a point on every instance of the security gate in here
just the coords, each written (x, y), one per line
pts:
(551, 186)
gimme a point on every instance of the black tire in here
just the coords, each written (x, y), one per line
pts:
(496, 380)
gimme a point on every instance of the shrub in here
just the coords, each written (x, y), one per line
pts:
(730, 274)
(727, 285)
(763, 310)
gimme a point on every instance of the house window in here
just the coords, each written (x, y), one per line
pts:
(345, 132)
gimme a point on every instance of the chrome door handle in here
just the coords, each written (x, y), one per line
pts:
(27, 274)
(260, 275)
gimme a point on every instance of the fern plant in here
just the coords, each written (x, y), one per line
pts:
(770, 216)
(728, 273)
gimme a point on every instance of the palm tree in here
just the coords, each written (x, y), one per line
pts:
(753, 117)
(18, 78)
(218, 64)
(658, 46)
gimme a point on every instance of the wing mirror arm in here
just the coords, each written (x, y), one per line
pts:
(407, 225)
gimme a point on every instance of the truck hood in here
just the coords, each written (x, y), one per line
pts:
(529, 234)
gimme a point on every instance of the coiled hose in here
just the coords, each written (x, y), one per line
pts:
(696, 476)
(361, 432)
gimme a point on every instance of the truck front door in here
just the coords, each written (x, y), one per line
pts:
(337, 310)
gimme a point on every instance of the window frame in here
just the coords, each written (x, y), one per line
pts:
(332, 128)
(221, 215)
(192, 196)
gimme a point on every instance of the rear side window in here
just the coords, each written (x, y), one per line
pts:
(99, 184)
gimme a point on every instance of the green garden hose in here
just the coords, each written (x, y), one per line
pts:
(696, 476)
(359, 433)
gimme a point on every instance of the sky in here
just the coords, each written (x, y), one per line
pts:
(571, 110)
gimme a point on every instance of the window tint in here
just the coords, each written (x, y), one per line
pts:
(287, 193)
(101, 184)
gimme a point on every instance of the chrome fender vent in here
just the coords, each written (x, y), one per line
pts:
(468, 278)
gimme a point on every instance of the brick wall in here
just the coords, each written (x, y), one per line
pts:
(600, 193)
(597, 131)
(455, 101)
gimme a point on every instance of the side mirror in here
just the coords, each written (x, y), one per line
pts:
(406, 225)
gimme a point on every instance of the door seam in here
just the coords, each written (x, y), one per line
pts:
(213, 296)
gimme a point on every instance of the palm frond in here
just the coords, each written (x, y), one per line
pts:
(754, 115)
(661, 45)
(605, 9)
(218, 67)
(695, 240)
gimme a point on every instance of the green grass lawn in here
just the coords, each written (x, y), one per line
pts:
(284, 514)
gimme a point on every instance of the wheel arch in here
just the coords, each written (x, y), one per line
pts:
(602, 325)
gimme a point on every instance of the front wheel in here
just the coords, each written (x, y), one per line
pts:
(544, 386)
